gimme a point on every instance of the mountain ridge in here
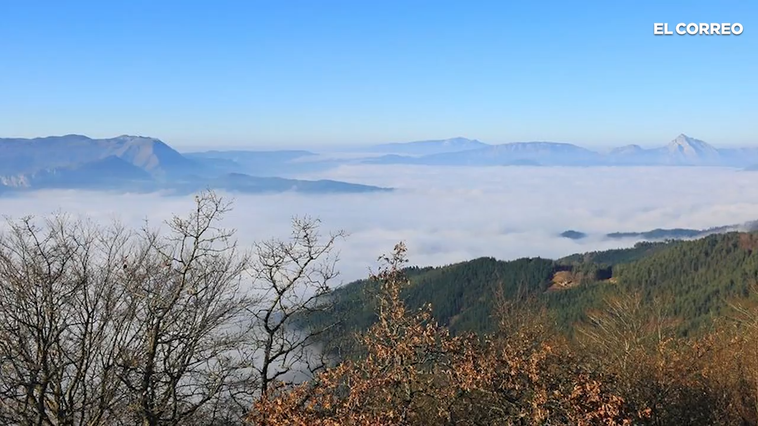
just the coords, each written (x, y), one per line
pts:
(150, 154)
(431, 146)
(135, 163)
(664, 234)
(73, 159)
(681, 151)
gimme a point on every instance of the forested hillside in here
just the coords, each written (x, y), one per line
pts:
(697, 279)
(632, 359)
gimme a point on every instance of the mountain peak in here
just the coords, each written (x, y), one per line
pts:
(684, 140)
(691, 149)
(132, 138)
(54, 152)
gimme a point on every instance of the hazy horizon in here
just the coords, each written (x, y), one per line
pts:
(347, 148)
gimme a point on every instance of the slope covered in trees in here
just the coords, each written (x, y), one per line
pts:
(626, 366)
(699, 280)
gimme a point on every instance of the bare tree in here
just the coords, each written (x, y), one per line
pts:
(186, 319)
(293, 279)
(100, 325)
(57, 285)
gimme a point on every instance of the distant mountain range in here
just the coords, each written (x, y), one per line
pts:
(136, 163)
(18, 156)
(682, 151)
(429, 147)
(660, 234)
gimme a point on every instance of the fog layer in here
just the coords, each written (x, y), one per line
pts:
(450, 214)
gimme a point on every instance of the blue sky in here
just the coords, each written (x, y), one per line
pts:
(315, 73)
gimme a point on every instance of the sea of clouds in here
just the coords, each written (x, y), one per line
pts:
(451, 214)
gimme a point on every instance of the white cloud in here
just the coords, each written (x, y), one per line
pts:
(449, 214)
